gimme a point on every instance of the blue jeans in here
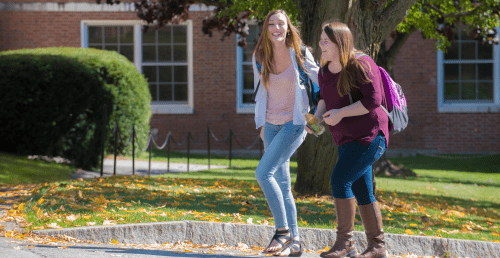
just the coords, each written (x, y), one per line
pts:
(273, 172)
(352, 175)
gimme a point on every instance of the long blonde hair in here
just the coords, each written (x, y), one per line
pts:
(264, 49)
(352, 68)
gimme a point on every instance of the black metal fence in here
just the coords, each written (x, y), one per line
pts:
(151, 142)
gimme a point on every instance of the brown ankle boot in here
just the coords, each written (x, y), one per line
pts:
(344, 244)
(372, 220)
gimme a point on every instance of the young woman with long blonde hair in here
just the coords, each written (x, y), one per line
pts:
(353, 94)
(281, 102)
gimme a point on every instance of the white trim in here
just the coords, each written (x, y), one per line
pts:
(241, 108)
(477, 107)
(82, 7)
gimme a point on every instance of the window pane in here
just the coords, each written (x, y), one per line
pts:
(164, 53)
(180, 34)
(485, 51)
(468, 90)
(485, 91)
(251, 42)
(180, 53)
(452, 52)
(468, 50)
(95, 35)
(110, 34)
(247, 98)
(96, 47)
(180, 73)
(165, 92)
(149, 53)
(111, 48)
(451, 91)
(165, 73)
(128, 52)
(149, 36)
(149, 73)
(485, 71)
(180, 92)
(152, 90)
(468, 71)
(248, 77)
(466, 33)
(451, 72)
(165, 34)
(127, 34)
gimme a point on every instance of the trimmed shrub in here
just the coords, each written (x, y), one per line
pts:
(52, 102)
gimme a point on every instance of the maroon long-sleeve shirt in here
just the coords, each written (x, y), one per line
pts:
(362, 128)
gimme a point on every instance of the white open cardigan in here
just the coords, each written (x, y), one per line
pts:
(301, 105)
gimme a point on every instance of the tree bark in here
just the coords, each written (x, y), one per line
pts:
(370, 22)
(316, 158)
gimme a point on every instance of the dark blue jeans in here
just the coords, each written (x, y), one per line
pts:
(352, 175)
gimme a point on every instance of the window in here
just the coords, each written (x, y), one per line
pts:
(164, 63)
(244, 71)
(164, 56)
(468, 75)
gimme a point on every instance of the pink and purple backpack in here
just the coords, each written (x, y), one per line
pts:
(397, 110)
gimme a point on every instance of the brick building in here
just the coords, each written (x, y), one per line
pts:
(198, 81)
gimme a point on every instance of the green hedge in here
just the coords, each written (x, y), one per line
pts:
(52, 99)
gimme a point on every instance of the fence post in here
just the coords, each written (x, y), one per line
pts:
(133, 149)
(189, 146)
(260, 143)
(208, 144)
(230, 146)
(104, 133)
(116, 143)
(150, 147)
(168, 153)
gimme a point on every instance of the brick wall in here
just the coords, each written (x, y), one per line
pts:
(415, 69)
(215, 86)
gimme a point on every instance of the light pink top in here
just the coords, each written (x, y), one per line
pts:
(281, 97)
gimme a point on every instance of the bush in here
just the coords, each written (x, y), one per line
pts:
(52, 102)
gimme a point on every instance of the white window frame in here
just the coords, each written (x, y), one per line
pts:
(156, 107)
(473, 107)
(241, 108)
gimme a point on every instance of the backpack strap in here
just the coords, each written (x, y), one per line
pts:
(304, 79)
(350, 97)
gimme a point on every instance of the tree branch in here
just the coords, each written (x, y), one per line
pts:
(396, 46)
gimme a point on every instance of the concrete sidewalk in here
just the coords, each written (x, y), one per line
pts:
(124, 167)
(259, 235)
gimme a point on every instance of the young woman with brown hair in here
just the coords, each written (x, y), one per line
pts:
(281, 102)
(352, 92)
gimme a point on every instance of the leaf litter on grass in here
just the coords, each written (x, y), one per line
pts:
(120, 200)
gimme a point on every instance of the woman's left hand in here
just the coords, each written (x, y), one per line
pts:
(332, 117)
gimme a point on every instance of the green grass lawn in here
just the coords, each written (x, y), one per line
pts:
(450, 198)
(21, 170)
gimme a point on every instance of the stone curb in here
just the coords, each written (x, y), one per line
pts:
(212, 233)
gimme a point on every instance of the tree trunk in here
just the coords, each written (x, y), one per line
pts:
(371, 22)
(316, 158)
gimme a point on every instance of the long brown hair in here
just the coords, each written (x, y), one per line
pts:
(264, 49)
(352, 69)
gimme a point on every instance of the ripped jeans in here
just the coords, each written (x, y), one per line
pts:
(273, 172)
(352, 175)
